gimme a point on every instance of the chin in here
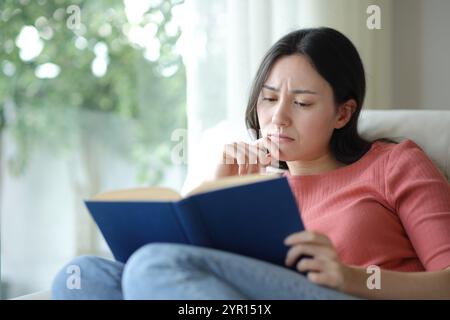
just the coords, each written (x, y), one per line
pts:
(287, 157)
(283, 157)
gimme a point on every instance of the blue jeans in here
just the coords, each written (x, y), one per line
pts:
(183, 272)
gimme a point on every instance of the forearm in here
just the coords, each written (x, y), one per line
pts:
(400, 285)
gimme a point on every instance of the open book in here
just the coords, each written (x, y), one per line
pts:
(248, 215)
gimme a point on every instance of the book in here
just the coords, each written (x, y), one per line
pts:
(248, 215)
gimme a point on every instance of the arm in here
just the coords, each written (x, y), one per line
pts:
(399, 285)
(419, 194)
(325, 268)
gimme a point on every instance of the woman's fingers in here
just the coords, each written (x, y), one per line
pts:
(242, 158)
(241, 154)
(255, 168)
(254, 159)
(266, 144)
(310, 264)
(228, 155)
(250, 158)
(314, 250)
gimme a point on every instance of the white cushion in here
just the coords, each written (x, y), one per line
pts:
(430, 129)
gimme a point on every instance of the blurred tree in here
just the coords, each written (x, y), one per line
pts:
(77, 75)
(88, 55)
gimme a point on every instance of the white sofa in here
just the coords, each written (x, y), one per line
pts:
(430, 129)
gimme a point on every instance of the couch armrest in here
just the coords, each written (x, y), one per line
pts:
(41, 295)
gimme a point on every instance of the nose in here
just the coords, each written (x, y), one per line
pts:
(281, 115)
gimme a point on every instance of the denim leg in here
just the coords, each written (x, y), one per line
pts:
(175, 271)
(172, 272)
(98, 279)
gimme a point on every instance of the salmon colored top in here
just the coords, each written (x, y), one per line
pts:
(391, 208)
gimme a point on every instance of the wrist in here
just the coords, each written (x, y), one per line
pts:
(351, 277)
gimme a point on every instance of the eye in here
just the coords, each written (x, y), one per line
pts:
(269, 99)
(301, 104)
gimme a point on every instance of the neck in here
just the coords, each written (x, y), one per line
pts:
(309, 167)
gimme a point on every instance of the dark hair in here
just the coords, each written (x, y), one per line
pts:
(336, 59)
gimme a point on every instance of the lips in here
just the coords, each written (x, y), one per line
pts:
(280, 137)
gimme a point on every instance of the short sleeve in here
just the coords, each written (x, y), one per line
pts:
(420, 195)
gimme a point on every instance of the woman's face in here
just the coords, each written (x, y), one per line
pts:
(298, 103)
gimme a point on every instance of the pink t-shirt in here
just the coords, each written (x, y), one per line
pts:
(391, 208)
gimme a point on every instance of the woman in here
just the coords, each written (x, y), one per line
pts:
(364, 204)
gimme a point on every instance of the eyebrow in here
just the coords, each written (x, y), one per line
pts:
(297, 91)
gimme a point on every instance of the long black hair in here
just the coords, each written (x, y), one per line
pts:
(337, 60)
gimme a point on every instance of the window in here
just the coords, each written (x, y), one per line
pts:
(90, 93)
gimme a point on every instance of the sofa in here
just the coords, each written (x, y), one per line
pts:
(430, 129)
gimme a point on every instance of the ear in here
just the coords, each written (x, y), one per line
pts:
(345, 113)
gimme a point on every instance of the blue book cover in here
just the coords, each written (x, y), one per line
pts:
(250, 217)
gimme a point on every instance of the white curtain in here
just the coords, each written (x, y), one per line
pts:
(224, 41)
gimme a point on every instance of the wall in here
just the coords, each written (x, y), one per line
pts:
(421, 51)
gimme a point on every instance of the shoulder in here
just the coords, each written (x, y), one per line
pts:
(402, 156)
(406, 149)
(407, 155)
(406, 144)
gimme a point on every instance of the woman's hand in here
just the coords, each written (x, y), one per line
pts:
(240, 158)
(323, 265)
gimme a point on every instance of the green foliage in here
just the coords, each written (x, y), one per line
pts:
(48, 111)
